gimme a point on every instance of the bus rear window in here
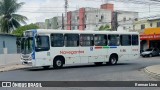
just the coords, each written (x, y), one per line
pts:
(135, 40)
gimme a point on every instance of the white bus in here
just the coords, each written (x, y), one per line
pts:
(45, 48)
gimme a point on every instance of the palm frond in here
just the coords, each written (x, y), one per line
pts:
(8, 19)
(19, 18)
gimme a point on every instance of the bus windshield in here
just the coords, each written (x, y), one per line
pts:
(27, 45)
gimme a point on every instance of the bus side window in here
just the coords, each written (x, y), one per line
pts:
(86, 40)
(57, 40)
(71, 40)
(100, 40)
(113, 40)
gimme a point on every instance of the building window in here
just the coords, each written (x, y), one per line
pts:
(142, 26)
(124, 19)
(96, 15)
(124, 28)
(77, 18)
(158, 24)
(86, 17)
(151, 24)
(85, 26)
(129, 18)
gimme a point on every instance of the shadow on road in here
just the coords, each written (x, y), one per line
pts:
(77, 66)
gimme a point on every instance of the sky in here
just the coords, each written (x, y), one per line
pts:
(39, 10)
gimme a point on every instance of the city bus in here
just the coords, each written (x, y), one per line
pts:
(45, 47)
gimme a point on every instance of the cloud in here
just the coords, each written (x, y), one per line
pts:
(39, 10)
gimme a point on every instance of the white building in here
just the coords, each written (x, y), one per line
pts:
(125, 20)
(88, 18)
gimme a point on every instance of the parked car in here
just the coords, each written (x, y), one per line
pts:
(151, 52)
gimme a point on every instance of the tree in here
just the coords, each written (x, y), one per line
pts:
(104, 28)
(9, 21)
(19, 31)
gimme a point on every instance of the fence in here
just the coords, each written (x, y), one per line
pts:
(7, 59)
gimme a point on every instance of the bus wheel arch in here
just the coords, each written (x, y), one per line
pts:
(58, 62)
(113, 59)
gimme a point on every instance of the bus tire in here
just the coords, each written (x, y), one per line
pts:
(58, 63)
(98, 63)
(46, 67)
(113, 60)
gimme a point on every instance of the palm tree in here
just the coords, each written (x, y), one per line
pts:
(9, 20)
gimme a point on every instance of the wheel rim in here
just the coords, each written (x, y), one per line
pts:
(59, 63)
(113, 60)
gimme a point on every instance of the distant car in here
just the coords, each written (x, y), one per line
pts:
(151, 52)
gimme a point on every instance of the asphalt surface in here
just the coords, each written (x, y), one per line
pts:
(124, 71)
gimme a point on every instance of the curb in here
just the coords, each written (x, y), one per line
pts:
(152, 74)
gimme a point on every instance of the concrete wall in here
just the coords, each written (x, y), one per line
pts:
(10, 44)
(6, 59)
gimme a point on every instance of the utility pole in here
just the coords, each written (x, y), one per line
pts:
(62, 22)
(64, 18)
(66, 7)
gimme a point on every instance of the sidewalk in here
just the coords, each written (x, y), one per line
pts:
(10, 67)
(154, 71)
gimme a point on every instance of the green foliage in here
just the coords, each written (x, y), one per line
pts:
(19, 31)
(104, 28)
(9, 21)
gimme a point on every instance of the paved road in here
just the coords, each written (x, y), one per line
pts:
(124, 71)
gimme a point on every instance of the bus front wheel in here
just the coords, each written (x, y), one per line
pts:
(57, 63)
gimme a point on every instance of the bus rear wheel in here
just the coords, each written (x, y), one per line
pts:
(113, 60)
(57, 63)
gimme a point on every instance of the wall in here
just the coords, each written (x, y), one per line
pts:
(69, 21)
(6, 59)
(10, 44)
(81, 18)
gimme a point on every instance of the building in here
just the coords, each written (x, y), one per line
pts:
(54, 23)
(41, 25)
(93, 18)
(8, 44)
(88, 19)
(142, 24)
(149, 30)
(124, 20)
(150, 38)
